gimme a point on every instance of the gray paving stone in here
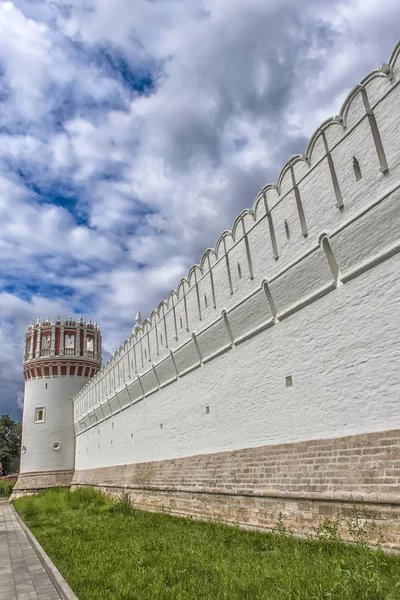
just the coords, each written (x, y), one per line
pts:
(8, 595)
(22, 576)
(7, 587)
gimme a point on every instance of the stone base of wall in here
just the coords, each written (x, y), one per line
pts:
(306, 481)
(34, 482)
(381, 522)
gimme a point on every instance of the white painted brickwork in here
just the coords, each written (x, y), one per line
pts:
(55, 395)
(309, 282)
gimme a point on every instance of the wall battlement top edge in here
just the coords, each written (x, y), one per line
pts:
(386, 71)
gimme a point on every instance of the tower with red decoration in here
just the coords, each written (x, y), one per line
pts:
(59, 359)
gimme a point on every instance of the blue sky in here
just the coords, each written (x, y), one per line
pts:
(133, 133)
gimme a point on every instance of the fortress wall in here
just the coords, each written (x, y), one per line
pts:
(330, 348)
(304, 205)
(286, 332)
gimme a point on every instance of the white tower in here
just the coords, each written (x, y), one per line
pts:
(59, 359)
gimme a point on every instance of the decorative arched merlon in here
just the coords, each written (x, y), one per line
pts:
(384, 168)
(270, 226)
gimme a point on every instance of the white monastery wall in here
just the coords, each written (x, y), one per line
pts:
(345, 381)
(304, 286)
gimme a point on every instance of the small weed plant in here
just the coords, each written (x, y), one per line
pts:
(280, 528)
(108, 550)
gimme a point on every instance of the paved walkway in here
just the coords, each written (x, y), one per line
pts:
(22, 575)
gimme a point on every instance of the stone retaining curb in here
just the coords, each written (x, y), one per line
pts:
(58, 580)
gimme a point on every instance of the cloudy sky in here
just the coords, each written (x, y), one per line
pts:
(132, 132)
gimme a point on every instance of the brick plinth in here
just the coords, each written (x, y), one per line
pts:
(34, 482)
(305, 481)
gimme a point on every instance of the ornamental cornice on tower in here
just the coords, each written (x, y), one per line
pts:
(71, 347)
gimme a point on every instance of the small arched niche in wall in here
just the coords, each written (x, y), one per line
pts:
(334, 267)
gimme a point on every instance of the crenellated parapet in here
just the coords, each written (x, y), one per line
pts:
(330, 216)
(55, 348)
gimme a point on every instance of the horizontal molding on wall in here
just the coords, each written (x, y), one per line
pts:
(348, 497)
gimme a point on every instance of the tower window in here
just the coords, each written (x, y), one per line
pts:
(205, 300)
(69, 345)
(39, 414)
(180, 320)
(89, 346)
(239, 271)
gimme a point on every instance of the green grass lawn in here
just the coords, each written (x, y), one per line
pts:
(107, 550)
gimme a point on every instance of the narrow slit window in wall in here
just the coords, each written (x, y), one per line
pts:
(239, 271)
(205, 300)
(357, 169)
(45, 387)
(161, 339)
(160, 425)
(145, 353)
(207, 410)
(180, 320)
(287, 230)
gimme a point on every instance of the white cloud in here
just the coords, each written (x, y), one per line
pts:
(108, 193)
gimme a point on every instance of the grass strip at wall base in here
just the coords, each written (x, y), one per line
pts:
(107, 550)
